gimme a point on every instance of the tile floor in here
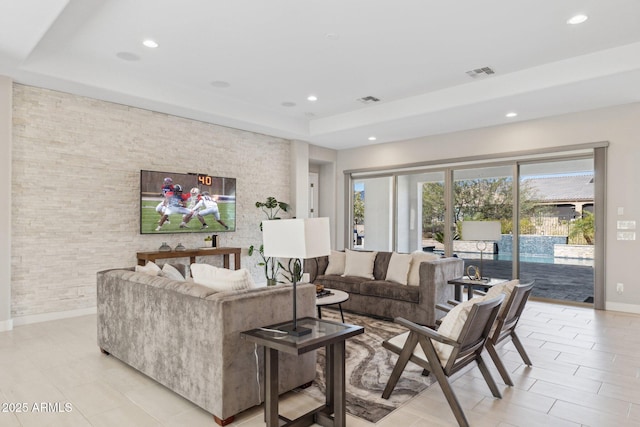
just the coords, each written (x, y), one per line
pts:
(586, 373)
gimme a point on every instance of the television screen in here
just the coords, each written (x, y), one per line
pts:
(186, 203)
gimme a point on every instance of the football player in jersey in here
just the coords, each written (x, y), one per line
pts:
(167, 187)
(207, 206)
(175, 204)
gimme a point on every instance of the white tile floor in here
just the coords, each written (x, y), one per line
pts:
(586, 373)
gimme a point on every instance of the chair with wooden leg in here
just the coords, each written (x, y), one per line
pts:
(458, 342)
(516, 296)
(505, 328)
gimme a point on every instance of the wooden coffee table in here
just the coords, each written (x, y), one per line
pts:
(338, 297)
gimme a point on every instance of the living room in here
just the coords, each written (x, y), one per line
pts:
(73, 165)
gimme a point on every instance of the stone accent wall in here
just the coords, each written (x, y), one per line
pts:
(75, 185)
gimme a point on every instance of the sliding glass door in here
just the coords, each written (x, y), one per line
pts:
(547, 209)
(484, 194)
(557, 239)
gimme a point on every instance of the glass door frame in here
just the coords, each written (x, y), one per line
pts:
(598, 151)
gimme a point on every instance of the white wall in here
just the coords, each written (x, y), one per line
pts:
(618, 125)
(75, 184)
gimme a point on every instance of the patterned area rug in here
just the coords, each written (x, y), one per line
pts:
(368, 367)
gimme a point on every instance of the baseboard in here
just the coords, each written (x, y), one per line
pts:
(6, 325)
(45, 317)
(625, 308)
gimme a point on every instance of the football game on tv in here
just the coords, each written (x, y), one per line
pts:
(186, 203)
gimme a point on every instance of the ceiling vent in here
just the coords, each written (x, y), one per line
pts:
(369, 99)
(480, 72)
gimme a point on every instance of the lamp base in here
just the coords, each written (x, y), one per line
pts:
(296, 331)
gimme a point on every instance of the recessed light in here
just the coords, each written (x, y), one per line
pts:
(332, 36)
(312, 98)
(150, 43)
(511, 114)
(577, 19)
(220, 84)
(372, 138)
(288, 104)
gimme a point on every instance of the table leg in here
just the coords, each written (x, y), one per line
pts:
(469, 292)
(271, 387)
(329, 377)
(341, 313)
(320, 313)
(457, 293)
(338, 386)
(225, 261)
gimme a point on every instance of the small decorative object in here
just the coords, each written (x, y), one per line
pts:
(214, 241)
(473, 273)
(180, 247)
(164, 247)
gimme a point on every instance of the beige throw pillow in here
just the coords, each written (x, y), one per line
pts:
(414, 271)
(451, 327)
(398, 270)
(170, 272)
(151, 268)
(359, 264)
(505, 288)
(221, 279)
(336, 263)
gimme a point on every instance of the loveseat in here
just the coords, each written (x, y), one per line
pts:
(186, 336)
(416, 284)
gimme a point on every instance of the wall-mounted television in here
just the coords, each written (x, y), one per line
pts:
(186, 203)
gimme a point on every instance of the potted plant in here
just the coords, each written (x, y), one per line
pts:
(271, 208)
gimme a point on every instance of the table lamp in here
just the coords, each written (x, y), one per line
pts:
(481, 232)
(296, 239)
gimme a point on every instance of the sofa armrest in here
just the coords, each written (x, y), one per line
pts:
(434, 288)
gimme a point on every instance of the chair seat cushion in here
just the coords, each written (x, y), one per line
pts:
(400, 340)
(390, 290)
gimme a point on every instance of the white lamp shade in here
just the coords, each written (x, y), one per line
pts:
(296, 238)
(481, 230)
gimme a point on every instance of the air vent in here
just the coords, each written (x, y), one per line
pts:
(480, 72)
(369, 99)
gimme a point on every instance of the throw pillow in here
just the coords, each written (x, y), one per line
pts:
(414, 271)
(151, 268)
(359, 264)
(451, 327)
(505, 288)
(336, 263)
(221, 279)
(170, 272)
(398, 270)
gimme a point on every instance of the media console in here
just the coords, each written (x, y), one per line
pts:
(143, 257)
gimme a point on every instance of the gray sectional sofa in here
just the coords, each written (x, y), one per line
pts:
(388, 299)
(187, 336)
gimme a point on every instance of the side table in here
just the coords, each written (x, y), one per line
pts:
(324, 333)
(460, 282)
(337, 297)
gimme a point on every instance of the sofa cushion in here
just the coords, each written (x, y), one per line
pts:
(381, 265)
(348, 284)
(398, 269)
(150, 268)
(390, 290)
(336, 263)
(221, 279)
(414, 271)
(359, 264)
